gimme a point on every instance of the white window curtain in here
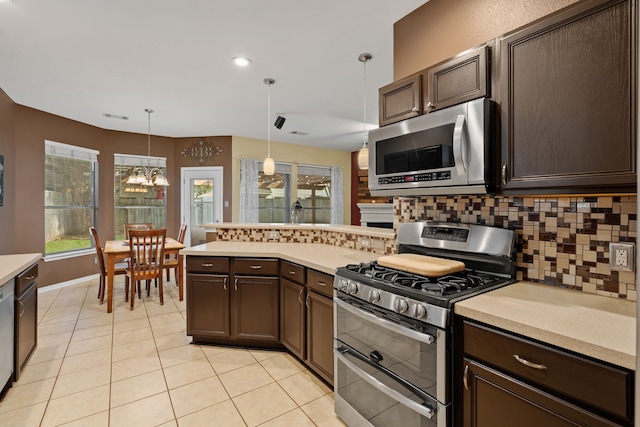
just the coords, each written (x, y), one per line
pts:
(337, 196)
(249, 170)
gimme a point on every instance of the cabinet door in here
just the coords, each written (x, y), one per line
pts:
(26, 327)
(400, 100)
(320, 335)
(292, 321)
(208, 305)
(255, 311)
(458, 80)
(568, 102)
(492, 398)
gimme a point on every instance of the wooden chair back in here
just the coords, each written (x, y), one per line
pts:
(146, 253)
(96, 240)
(182, 233)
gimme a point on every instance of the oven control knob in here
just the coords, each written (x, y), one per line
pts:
(421, 311)
(400, 305)
(342, 285)
(374, 296)
(352, 288)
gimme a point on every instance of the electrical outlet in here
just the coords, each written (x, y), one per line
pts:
(95, 260)
(364, 242)
(621, 256)
(274, 235)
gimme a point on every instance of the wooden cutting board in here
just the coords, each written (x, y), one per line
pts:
(421, 264)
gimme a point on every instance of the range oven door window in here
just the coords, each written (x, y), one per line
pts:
(366, 396)
(420, 358)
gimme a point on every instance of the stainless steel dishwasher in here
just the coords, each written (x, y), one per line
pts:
(6, 334)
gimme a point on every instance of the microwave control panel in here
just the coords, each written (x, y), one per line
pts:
(427, 176)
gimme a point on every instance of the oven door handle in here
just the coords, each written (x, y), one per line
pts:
(421, 409)
(402, 330)
(460, 148)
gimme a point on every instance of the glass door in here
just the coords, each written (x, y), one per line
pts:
(201, 201)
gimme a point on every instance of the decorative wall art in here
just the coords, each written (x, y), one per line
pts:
(201, 151)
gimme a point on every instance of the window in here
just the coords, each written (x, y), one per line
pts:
(137, 203)
(69, 197)
(274, 199)
(314, 194)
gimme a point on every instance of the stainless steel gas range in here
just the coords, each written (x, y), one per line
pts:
(392, 328)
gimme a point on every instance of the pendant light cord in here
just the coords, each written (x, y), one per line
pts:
(364, 104)
(149, 111)
(269, 120)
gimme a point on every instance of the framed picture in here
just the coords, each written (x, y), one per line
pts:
(1, 180)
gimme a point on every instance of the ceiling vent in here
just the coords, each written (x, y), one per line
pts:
(115, 116)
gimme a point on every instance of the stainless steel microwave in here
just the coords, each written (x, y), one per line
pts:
(450, 151)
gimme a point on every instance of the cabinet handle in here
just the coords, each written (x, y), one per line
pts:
(235, 285)
(300, 295)
(465, 377)
(504, 175)
(291, 272)
(207, 264)
(224, 283)
(319, 283)
(415, 110)
(525, 362)
(21, 308)
(30, 277)
(307, 301)
(255, 267)
(430, 105)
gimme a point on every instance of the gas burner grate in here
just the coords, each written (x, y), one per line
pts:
(443, 285)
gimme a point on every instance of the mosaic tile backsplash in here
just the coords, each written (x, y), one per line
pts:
(561, 241)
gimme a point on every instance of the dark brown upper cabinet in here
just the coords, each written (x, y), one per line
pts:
(459, 79)
(568, 101)
(400, 100)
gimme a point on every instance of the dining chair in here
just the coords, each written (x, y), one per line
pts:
(138, 226)
(146, 254)
(120, 268)
(171, 261)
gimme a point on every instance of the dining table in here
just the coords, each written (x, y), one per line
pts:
(119, 249)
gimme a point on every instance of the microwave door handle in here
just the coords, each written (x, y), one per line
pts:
(460, 145)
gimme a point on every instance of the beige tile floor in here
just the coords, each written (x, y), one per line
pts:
(137, 368)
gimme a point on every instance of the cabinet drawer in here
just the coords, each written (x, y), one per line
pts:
(24, 279)
(573, 377)
(293, 272)
(256, 267)
(205, 264)
(320, 282)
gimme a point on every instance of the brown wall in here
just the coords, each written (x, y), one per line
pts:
(23, 131)
(7, 148)
(440, 29)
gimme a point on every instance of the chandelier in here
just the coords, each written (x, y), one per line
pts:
(146, 175)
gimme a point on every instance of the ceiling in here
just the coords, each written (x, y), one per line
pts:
(80, 59)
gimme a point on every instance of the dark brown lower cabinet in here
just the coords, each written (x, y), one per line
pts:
(208, 304)
(495, 399)
(320, 334)
(26, 318)
(292, 317)
(255, 308)
(510, 380)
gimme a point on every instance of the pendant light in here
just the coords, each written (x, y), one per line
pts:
(269, 167)
(148, 176)
(363, 154)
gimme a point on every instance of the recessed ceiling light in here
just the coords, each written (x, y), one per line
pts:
(115, 116)
(240, 61)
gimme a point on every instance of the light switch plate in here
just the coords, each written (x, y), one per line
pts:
(622, 256)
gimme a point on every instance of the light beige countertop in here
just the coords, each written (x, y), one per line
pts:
(324, 258)
(600, 327)
(353, 229)
(12, 265)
